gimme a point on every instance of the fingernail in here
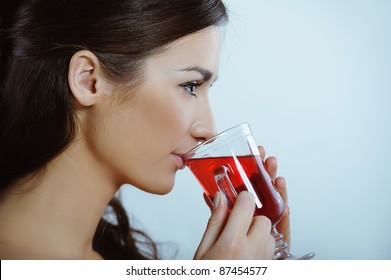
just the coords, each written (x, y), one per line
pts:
(216, 200)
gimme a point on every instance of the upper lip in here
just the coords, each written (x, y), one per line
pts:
(188, 149)
(181, 154)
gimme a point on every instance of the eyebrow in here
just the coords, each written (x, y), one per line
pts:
(206, 74)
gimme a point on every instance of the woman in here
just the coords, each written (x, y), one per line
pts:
(98, 93)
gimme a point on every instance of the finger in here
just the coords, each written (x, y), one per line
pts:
(208, 201)
(280, 184)
(262, 152)
(215, 226)
(260, 236)
(271, 167)
(270, 248)
(284, 225)
(261, 226)
(240, 217)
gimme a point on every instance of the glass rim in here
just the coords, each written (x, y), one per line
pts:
(218, 135)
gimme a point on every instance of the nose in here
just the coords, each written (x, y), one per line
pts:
(204, 126)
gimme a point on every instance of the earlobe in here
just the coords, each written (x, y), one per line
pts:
(83, 76)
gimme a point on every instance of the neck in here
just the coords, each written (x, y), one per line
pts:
(59, 216)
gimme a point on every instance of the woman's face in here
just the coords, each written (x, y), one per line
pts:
(139, 140)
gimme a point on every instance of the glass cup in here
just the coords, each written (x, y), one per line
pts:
(229, 163)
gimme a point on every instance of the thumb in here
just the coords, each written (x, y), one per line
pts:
(214, 227)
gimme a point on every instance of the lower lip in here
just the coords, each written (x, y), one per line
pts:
(178, 161)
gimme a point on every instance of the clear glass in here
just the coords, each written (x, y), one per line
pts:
(229, 163)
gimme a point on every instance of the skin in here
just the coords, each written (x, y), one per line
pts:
(215, 241)
(129, 136)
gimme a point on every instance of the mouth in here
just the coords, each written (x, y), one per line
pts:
(178, 161)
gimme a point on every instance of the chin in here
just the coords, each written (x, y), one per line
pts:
(165, 188)
(160, 187)
(161, 190)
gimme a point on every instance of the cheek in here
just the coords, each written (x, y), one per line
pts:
(135, 141)
(166, 116)
(160, 121)
(109, 138)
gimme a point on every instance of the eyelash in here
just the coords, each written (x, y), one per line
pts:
(193, 86)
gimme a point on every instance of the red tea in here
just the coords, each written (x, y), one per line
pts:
(249, 174)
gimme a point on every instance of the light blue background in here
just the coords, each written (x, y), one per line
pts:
(313, 78)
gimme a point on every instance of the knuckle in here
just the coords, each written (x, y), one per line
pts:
(264, 221)
(271, 162)
(246, 199)
(281, 183)
(272, 159)
(271, 247)
(233, 247)
(266, 247)
(213, 221)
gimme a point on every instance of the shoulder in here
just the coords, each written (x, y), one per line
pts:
(10, 252)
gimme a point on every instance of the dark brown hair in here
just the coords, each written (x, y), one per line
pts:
(38, 39)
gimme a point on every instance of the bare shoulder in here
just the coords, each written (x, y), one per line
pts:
(10, 252)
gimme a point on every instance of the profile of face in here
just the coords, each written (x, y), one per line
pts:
(136, 135)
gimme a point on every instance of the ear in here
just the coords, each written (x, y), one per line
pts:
(83, 76)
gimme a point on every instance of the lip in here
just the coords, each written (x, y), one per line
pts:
(178, 161)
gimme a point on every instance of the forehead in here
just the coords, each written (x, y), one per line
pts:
(200, 49)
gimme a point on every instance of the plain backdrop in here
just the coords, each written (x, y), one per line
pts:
(313, 79)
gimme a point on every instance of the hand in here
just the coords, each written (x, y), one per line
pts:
(283, 226)
(236, 234)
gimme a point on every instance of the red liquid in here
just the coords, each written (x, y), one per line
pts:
(205, 170)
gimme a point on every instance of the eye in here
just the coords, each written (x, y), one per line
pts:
(191, 87)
